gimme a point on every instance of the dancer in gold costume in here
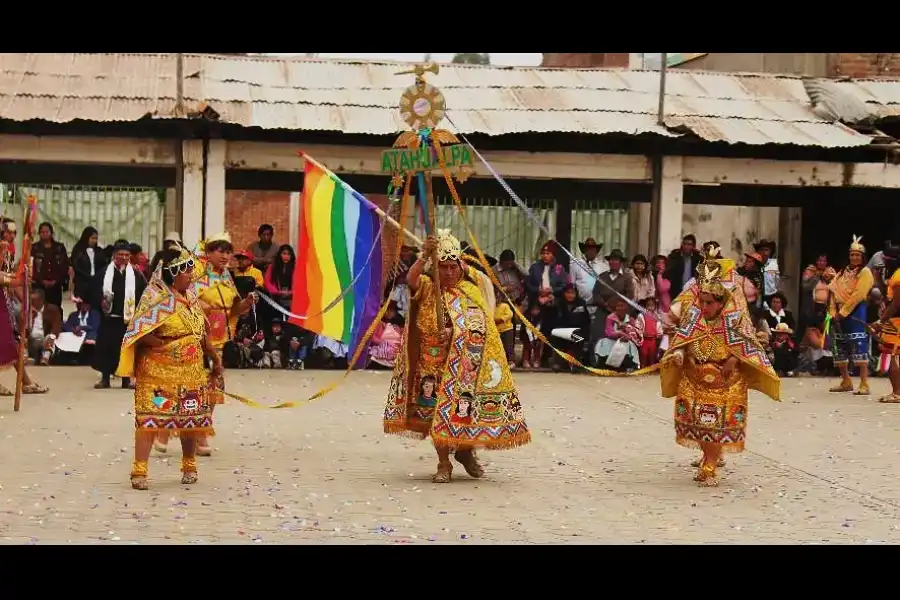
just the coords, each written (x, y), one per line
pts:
(223, 306)
(847, 306)
(714, 358)
(163, 350)
(451, 380)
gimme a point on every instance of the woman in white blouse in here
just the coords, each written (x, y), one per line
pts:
(644, 285)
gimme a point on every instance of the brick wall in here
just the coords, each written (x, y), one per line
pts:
(849, 64)
(246, 210)
(582, 61)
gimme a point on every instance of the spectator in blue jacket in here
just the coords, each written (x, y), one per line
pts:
(84, 321)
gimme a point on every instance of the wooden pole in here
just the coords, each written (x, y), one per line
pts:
(432, 217)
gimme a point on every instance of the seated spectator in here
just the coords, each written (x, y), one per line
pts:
(652, 331)
(245, 268)
(777, 312)
(619, 350)
(287, 345)
(46, 325)
(532, 346)
(279, 278)
(83, 322)
(387, 337)
(250, 340)
(572, 313)
(329, 353)
(814, 351)
(783, 350)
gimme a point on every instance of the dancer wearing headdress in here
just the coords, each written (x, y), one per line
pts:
(847, 309)
(219, 297)
(451, 380)
(714, 358)
(163, 349)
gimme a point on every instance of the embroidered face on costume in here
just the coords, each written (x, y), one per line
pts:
(710, 306)
(427, 389)
(464, 405)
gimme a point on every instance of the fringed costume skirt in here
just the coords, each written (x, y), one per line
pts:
(711, 409)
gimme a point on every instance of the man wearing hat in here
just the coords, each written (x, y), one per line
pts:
(585, 271)
(610, 284)
(771, 272)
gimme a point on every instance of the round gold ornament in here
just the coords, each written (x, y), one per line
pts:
(422, 106)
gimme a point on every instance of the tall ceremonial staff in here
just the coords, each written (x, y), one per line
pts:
(24, 271)
(422, 107)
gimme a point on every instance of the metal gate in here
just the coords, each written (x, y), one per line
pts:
(133, 214)
(606, 222)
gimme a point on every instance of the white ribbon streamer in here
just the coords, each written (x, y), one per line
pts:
(541, 225)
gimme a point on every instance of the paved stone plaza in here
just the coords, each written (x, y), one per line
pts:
(603, 468)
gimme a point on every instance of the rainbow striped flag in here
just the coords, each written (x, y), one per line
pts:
(338, 279)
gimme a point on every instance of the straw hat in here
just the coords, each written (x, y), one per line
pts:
(783, 328)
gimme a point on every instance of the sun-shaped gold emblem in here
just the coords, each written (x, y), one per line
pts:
(422, 106)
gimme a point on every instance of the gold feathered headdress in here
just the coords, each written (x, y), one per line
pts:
(856, 246)
(448, 247)
(712, 271)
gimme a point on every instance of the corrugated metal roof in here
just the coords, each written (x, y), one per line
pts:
(881, 95)
(362, 97)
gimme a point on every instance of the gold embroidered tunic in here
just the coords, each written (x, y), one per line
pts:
(171, 383)
(461, 392)
(710, 408)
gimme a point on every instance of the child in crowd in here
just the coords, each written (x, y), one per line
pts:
(387, 337)
(783, 350)
(653, 333)
(619, 350)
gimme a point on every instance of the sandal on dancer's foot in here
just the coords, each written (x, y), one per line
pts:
(844, 386)
(189, 471)
(34, 388)
(706, 476)
(470, 463)
(160, 447)
(4, 391)
(719, 464)
(139, 475)
(204, 451)
(890, 399)
(863, 390)
(444, 473)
